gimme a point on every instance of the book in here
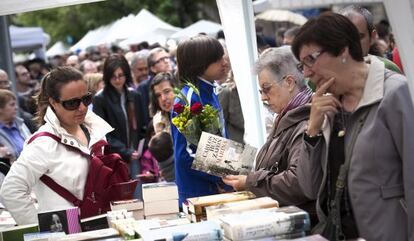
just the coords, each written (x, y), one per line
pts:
(90, 235)
(213, 212)
(219, 156)
(265, 223)
(44, 236)
(133, 205)
(94, 223)
(161, 207)
(63, 220)
(208, 231)
(167, 216)
(17, 233)
(159, 191)
(196, 205)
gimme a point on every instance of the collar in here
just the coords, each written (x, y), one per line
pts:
(374, 85)
(206, 82)
(96, 126)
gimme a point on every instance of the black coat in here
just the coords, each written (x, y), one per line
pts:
(107, 104)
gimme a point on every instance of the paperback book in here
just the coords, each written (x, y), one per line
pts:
(64, 220)
(219, 156)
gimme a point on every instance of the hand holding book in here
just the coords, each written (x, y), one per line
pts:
(238, 182)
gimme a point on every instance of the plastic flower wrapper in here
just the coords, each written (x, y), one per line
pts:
(194, 119)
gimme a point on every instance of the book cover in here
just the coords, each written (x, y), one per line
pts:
(208, 231)
(101, 234)
(213, 212)
(265, 223)
(161, 207)
(64, 220)
(220, 156)
(17, 233)
(159, 191)
(45, 236)
(94, 223)
(129, 205)
(196, 205)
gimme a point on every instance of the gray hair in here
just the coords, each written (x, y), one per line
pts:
(280, 62)
(139, 56)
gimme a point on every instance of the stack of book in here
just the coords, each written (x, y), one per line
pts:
(215, 212)
(195, 208)
(160, 200)
(134, 205)
(280, 223)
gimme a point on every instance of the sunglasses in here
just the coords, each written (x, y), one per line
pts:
(74, 103)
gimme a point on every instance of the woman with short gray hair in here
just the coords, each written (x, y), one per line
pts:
(284, 89)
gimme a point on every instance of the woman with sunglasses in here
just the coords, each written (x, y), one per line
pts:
(284, 89)
(63, 111)
(357, 154)
(161, 101)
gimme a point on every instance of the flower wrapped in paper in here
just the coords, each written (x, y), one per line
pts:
(192, 120)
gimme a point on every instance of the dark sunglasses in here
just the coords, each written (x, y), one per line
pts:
(74, 103)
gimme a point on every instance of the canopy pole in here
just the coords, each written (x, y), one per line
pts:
(6, 55)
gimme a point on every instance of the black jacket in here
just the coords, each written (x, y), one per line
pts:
(107, 104)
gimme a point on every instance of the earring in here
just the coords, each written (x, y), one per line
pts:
(343, 60)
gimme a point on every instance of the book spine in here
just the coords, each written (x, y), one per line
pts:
(73, 220)
(215, 234)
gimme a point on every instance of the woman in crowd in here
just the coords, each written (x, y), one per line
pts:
(200, 61)
(13, 131)
(161, 101)
(63, 111)
(121, 108)
(357, 152)
(284, 89)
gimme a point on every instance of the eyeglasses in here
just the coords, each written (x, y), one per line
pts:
(121, 76)
(266, 90)
(309, 60)
(163, 59)
(5, 82)
(74, 103)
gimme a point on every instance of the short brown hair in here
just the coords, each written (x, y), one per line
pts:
(332, 32)
(5, 97)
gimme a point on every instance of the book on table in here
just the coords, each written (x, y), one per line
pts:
(17, 233)
(219, 156)
(159, 191)
(62, 220)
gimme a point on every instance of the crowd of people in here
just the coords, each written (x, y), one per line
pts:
(338, 147)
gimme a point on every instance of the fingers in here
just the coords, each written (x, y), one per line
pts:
(324, 87)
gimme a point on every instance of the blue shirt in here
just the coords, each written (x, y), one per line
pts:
(14, 135)
(193, 183)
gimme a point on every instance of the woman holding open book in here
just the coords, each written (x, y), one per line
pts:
(285, 91)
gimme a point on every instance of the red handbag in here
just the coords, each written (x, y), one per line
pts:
(108, 179)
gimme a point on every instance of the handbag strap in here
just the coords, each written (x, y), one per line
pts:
(48, 181)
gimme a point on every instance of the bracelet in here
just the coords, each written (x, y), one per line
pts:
(313, 136)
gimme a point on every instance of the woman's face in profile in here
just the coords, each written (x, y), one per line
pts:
(275, 94)
(216, 70)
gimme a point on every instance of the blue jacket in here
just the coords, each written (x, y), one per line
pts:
(193, 183)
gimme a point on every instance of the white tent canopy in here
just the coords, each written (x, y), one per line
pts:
(201, 26)
(131, 29)
(57, 49)
(28, 38)
(276, 15)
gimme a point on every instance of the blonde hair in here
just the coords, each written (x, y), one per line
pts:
(5, 97)
(93, 80)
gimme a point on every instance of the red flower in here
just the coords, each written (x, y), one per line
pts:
(179, 108)
(196, 108)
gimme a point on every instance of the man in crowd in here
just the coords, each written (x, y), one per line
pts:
(73, 61)
(25, 86)
(139, 67)
(363, 21)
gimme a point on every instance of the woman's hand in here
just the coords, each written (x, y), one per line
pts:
(135, 155)
(322, 103)
(5, 152)
(238, 182)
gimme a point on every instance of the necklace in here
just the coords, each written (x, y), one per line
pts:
(342, 132)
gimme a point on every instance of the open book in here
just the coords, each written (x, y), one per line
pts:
(220, 156)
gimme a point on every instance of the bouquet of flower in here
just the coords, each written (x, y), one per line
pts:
(194, 119)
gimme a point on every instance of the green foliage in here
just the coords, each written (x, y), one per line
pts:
(77, 20)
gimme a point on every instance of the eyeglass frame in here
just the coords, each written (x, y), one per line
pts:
(266, 90)
(161, 60)
(86, 101)
(309, 60)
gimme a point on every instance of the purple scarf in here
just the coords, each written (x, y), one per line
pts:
(303, 97)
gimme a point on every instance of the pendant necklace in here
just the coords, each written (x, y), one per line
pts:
(342, 132)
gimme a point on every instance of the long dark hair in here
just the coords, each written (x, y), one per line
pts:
(113, 62)
(158, 79)
(50, 87)
(194, 55)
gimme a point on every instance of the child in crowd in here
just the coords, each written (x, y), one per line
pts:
(161, 147)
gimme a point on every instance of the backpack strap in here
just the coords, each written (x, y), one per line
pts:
(48, 181)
